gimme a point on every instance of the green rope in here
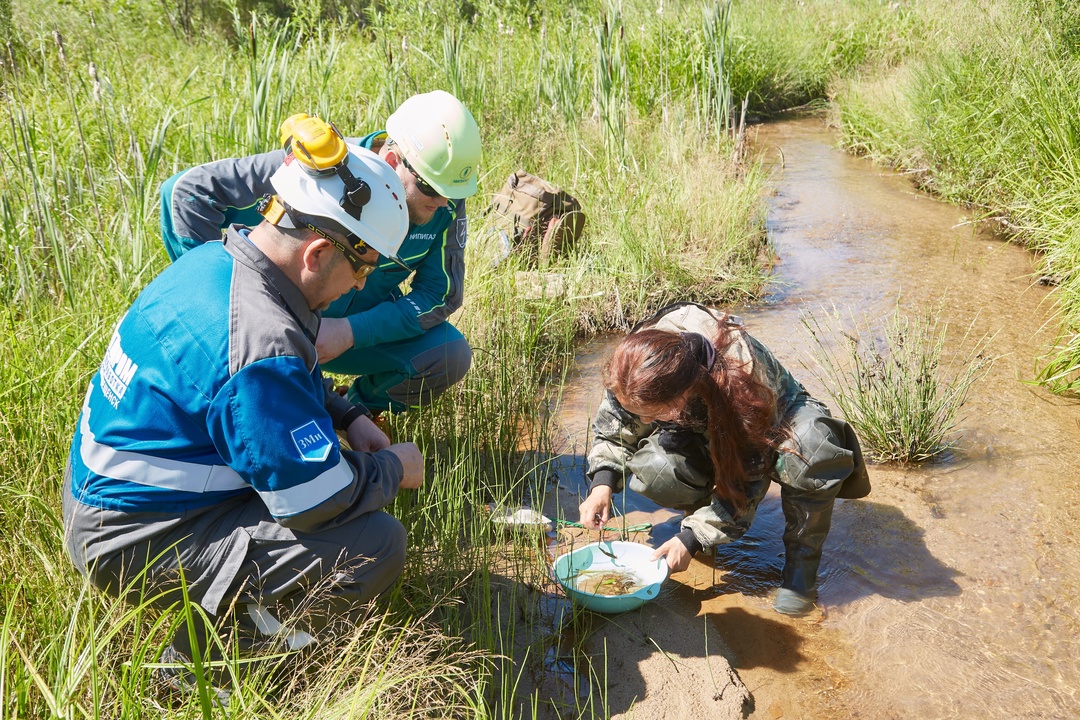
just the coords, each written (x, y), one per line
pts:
(629, 529)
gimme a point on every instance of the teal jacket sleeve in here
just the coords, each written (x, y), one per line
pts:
(436, 289)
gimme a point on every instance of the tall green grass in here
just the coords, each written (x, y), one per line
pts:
(902, 387)
(987, 114)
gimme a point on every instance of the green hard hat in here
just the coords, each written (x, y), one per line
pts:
(441, 141)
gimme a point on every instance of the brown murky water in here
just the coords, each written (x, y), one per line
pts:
(953, 590)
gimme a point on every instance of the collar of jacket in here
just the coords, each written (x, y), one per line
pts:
(244, 251)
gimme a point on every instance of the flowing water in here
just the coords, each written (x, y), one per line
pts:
(953, 590)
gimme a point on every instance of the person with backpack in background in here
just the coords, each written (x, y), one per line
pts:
(400, 347)
(699, 416)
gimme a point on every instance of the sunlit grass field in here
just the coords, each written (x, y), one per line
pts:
(628, 106)
(988, 114)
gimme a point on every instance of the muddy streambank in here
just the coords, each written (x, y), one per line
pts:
(953, 590)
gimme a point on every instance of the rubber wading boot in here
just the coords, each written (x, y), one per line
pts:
(806, 525)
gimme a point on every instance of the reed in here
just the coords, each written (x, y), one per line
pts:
(560, 82)
(715, 93)
(902, 391)
(453, 63)
(271, 49)
(610, 83)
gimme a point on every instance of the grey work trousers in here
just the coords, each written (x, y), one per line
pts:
(233, 556)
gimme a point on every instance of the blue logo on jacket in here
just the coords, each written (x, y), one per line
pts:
(312, 444)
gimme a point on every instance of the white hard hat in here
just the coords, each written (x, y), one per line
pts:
(440, 140)
(373, 209)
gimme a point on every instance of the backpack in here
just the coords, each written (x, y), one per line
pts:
(541, 221)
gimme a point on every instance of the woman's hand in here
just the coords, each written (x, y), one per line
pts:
(677, 556)
(596, 508)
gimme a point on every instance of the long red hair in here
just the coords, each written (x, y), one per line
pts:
(652, 367)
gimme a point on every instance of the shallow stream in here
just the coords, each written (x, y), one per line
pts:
(953, 590)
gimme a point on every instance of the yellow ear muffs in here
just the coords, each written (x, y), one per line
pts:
(315, 143)
(285, 131)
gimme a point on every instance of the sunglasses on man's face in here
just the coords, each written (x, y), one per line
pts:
(421, 184)
(361, 268)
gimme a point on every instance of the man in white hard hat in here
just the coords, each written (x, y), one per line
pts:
(205, 459)
(399, 346)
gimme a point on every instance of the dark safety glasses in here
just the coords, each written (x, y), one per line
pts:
(278, 212)
(421, 183)
(361, 268)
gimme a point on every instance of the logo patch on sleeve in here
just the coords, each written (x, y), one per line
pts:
(313, 445)
(462, 231)
(117, 370)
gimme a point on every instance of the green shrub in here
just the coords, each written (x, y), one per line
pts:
(902, 391)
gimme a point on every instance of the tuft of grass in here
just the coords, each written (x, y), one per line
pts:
(901, 391)
(1059, 368)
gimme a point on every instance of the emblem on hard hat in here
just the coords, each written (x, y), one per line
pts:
(465, 172)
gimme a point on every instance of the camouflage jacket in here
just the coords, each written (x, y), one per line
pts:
(820, 454)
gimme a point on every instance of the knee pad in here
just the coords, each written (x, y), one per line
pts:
(458, 361)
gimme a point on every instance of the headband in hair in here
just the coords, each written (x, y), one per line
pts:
(702, 349)
(698, 346)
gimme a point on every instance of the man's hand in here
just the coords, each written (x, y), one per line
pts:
(413, 463)
(596, 508)
(365, 436)
(335, 337)
(678, 557)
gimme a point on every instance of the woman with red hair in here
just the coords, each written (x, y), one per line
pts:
(699, 416)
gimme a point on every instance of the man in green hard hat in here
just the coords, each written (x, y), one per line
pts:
(399, 345)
